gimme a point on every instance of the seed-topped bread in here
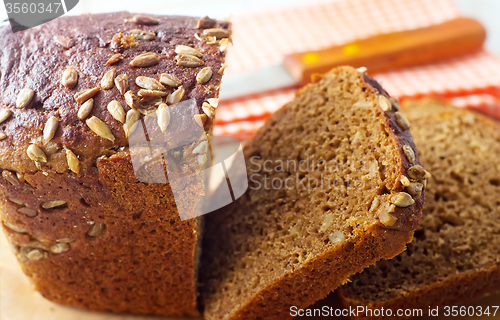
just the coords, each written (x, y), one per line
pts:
(87, 228)
(325, 200)
(455, 255)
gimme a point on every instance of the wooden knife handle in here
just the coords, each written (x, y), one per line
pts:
(392, 50)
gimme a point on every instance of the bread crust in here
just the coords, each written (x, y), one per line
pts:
(116, 244)
(40, 65)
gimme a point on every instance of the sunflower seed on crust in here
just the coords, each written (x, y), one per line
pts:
(144, 93)
(202, 148)
(73, 162)
(17, 201)
(386, 218)
(4, 114)
(59, 248)
(189, 61)
(84, 95)
(50, 204)
(223, 43)
(85, 109)
(97, 229)
(170, 80)
(206, 23)
(69, 78)
(163, 114)
(27, 212)
(211, 40)
(202, 159)
(427, 174)
(204, 75)
(50, 128)
(416, 173)
(116, 40)
(146, 59)
(395, 103)
(24, 98)
(405, 181)
(190, 51)
(121, 82)
(222, 68)
(150, 103)
(100, 128)
(131, 99)
(20, 176)
(65, 240)
(36, 154)
(107, 80)
(14, 227)
(133, 116)
(415, 189)
(114, 59)
(219, 33)
(176, 96)
(409, 153)
(2, 135)
(384, 103)
(149, 83)
(402, 122)
(200, 119)
(63, 41)
(214, 102)
(402, 199)
(116, 110)
(144, 20)
(11, 178)
(208, 109)
(142, 35)
(36, 254)
(197, 37)
(131, 121)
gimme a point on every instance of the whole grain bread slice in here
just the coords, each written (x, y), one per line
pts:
(325, 200)
(455, 255)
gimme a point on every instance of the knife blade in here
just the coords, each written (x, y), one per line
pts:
(378, 53)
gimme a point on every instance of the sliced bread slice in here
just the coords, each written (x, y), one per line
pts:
(325, 200)
(455, 255)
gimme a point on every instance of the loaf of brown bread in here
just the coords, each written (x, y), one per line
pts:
(325, 200)
(86, 229)
(455, 255)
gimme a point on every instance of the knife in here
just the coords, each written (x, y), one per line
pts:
(378, 53)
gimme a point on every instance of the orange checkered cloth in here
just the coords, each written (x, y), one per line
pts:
(262, 39)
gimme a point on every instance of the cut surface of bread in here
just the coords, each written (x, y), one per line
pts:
(455, 255)
(325, 200)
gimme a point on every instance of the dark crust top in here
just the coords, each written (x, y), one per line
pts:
(409, 218)
(32, 59)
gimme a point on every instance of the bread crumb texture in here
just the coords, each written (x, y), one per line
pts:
(454, 257)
